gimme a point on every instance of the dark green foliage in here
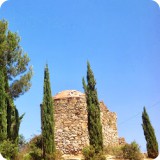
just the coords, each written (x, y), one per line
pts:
(36, 148)
(15, 124)
(9, 116)
(3, 113)
(33, 151)
(13, 121)
(37, 141)
(94, 123)
(14, 62)
(16, 76)
(132, 151)
(152, 144)
(9, 150)
(90, 154)
(47, 118)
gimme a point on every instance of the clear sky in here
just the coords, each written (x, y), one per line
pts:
(121, 40)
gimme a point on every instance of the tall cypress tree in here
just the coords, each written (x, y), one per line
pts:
(94, 122)
(3, 110)
(13, 118)
(9, 117)
(152, 145)
(47, 118)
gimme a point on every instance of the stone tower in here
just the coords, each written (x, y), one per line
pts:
(71, 122)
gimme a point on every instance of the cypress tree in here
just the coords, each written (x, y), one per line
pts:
(93, 108)
(13, 118)
(3, 113)
(47, 118)
(9, 116)
(152, 145)
(13, 126)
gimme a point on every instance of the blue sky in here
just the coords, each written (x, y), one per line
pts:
(120, 38)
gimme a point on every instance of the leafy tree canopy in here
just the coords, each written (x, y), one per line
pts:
(14, 62)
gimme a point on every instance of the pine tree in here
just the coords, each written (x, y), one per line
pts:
(17, 75)
(3, 113)
(14, 62)
(152, 145)
(94, 122)
(47, 118)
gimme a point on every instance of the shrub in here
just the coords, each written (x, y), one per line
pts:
(8, 149)
(21, 142)
(36, 141)
(58, 155)
(90, 154)
(27, 157)
(33, 151)
(132, 151)
(55, 156)
(114, 151)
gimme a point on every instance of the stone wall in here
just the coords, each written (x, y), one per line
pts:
(71, 123)
(109, 126)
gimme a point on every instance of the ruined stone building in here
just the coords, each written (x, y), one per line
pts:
(71, 122)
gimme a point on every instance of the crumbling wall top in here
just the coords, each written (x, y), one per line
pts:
(68, 94)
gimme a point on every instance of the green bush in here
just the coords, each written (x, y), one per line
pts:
(8, 149)
(36, 141)
(33, 151)
(90, 154)
(21, 142)
(27, 157)
(132, 151)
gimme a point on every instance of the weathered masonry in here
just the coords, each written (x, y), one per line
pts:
(71, 122)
